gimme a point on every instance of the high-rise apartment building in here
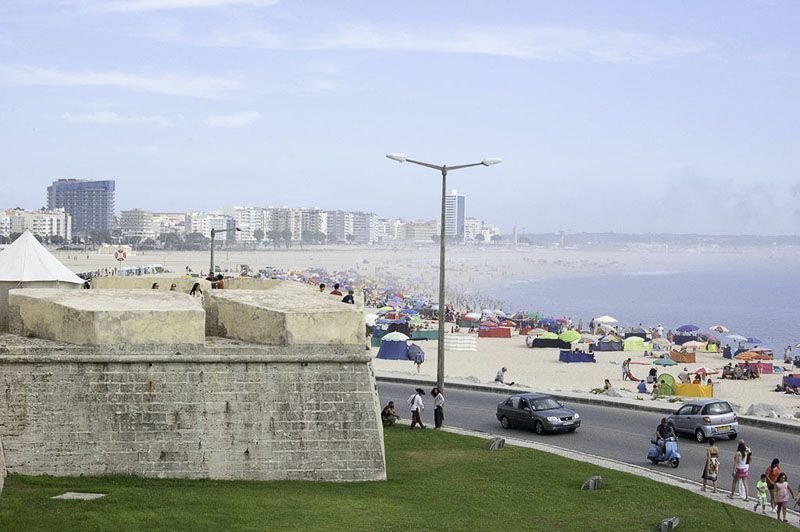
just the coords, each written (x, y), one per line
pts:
(340, 226)
(366, 229)
(136, 223)
(454, 209)
(315, 222)
(89, 203)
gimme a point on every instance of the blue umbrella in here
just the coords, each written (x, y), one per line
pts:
(688, 328)
(753, 340)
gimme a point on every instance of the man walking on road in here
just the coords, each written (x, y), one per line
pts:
(416, 407)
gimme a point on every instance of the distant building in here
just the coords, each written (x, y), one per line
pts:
(136, 223)
(365, 228)
(44, 223)
(203, 223)
(249, 220)
(340, 226)
(421, 232)
(314, 221)
(287, 219)
(89, 203)
(454, 215)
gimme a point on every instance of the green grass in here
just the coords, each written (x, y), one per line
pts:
(437, 481)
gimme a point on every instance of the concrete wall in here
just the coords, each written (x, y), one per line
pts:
(223, 411)
(5, 286)
(145, 282)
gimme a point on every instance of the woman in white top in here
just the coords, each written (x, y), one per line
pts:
(741, 470)
(438, 408)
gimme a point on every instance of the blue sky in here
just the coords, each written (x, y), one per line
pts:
(633, 116)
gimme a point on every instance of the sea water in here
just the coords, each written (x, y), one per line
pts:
(761, 302)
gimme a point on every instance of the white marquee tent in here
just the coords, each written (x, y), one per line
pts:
(27, 264)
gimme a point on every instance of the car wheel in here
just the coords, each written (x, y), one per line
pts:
(504, 422)
(700, 436)
(675, 462)
(538, 427)
(732, 436)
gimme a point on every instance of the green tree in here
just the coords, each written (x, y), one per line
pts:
(169, 240)
(286, 235)
(258, 234)
(480, 238)
(496, 238)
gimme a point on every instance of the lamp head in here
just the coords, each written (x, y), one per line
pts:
(399, 157)
(490, 162)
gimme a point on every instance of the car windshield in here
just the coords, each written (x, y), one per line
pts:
(545, 403)
(717, 408)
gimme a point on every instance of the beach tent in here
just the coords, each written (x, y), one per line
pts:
(27, 264)
(609, 342)
(634, 343)
(394, 347)
(565, 355)
(605, 319)
(685, 357)
(569, 336)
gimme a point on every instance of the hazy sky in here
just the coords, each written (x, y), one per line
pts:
(678, 116)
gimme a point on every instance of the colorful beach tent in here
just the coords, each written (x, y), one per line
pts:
(394, 347)
(569, 336)
(27, 264)
(634, 343)
(549, 336)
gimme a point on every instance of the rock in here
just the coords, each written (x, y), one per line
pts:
(765, 410)
(797, 414)
(472, 378)
(495, 444)
(593, 483)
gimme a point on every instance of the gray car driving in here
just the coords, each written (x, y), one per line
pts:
(539, 411)
(705, 418)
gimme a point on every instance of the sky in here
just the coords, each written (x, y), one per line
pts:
(628, 116)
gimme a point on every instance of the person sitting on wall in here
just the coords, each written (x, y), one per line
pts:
(389, 415)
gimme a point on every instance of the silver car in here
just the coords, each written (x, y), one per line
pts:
(705, 418)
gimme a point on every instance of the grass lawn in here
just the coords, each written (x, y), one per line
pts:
(437, 481)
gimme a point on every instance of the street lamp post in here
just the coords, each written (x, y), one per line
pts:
(213, 234)
(401, 158)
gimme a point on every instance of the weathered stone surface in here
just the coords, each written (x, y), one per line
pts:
(225, 410)
(119, 282)
(79, 496)
(495, 444)
(765, 410)
(593, 483)
(286, 313)
(2, 467)
(101, 317)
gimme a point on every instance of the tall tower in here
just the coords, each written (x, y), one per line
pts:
(454, 214)
(90, 203)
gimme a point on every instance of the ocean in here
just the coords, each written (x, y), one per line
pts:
(763, 302)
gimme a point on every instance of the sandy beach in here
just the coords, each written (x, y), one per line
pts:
(540, 370)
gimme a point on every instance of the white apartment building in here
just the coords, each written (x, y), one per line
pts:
(421, 231)
(365, 228)
(340, 226)
(169, 222)
(249, 220)
(287, 218)
(454, 214)
(43, 223)
(199, 222)
(314, 221)
(137, 223)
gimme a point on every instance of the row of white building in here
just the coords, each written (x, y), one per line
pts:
(53, 224)
(310, 225)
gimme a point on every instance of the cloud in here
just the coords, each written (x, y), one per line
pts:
(233, 120)
(170, 84)
(109, 118)
(137, 6)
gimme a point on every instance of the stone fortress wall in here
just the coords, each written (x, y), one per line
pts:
(284, 391)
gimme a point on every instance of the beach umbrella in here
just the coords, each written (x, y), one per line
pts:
(753, 340)
(662, 341)
(719, 328)
(688, 328)
(408, 311)
(386, 308)
(797, 346)
(737, 337)
(473, 316)
(665, 362)
(605, 319)
(395, 337)
(705, 371)
(569, 336)
(693, 344)
(712, 339)
(747, 355)
(761, 350)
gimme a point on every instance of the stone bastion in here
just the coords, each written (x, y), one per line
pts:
(106, 382)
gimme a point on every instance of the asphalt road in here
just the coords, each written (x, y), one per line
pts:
(614, 433)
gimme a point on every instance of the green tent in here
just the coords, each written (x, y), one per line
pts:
(569, 336)
(635, 343)
(549, 336)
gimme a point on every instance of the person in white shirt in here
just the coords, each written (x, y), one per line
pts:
(416, 406)
(501, 376)
(438, 408)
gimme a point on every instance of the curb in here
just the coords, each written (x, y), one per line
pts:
(752, 421)
(616, 465)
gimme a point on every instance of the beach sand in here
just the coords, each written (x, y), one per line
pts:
(540, 370)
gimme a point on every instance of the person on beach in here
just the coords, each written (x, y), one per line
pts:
(606, 385)
(173, 287)
(438, 408)
(683, 376)
(321, 287)
(711, 469)
(626, 369)
(761, 494)
(349, 298)
(154, 287)
(389, 415)
(782, 493)
(416, 406)
(501, 377)
(196, 291)
(336, 291)
(741, 471)
(651, 375)
(772, 472)
(642, 387)
(787, 355)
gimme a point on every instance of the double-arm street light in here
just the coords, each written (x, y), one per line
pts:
(213, 234)
(401, 158)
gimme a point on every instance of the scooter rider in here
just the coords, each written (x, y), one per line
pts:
(663, 432)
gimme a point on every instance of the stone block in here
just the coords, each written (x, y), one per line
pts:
(283, 313)
(107, 317)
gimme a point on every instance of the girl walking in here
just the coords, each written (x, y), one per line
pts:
(782, 492)
(711, 468)
(741, 471)
(772, 473)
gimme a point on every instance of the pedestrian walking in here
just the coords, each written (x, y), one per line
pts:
(438, 408)
(416, 406)
(741, 471)
(761, 494)
(711, 469)
(772, 473)
(782, 492)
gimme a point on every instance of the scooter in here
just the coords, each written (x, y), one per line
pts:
(670, 455)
